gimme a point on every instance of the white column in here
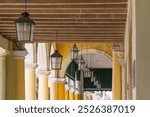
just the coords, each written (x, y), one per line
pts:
(30, 71)
(30, 82)
(3, 53)
(43, 85)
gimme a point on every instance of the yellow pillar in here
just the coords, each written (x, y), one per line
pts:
(81, 97)
(116, 80)
(123, 75)
(30, 80)
(71, 94)
(19, 74)
(57, 88)
(77, 95)
(43, 85)
(66, 92)
(53, 89)
(61, 89)
(78, 92)
(2, 73)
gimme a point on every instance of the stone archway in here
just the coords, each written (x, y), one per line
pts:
(67, 60)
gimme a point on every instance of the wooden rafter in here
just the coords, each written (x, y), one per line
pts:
(75, 20)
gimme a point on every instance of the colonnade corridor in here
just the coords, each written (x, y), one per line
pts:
(33, 79)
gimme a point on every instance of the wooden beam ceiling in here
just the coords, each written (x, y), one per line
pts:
(74, 20)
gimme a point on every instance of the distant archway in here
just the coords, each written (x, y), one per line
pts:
(67, 60)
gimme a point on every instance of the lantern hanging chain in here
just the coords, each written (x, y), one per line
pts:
(56, 38)
(81, 49)
(93, 59)
(71, 69)
(86, 53)
(89, 60)
(26, 1)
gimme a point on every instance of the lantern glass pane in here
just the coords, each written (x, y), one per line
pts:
(74, 55)
(81, 66)
(87, 73)
(96, 82)
(56, 62)
(98, 86)
(25, 31)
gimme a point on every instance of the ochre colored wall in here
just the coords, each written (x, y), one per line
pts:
(64, 48)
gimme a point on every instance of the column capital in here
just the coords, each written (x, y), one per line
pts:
(3, 52)
(20, 54)
(19, 50)
(31, 66)
(78, 91)
(43, 73)
(66, 87)
(72, 89)
(57, 80)
(118, 47)
(18, 46)
(121, 58)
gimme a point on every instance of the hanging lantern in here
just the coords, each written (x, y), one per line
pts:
(74, 53)
(96, 82)
(25, 28)
(92, 74)
(99, 85)
(87, 72)
(56, 60)
(92, 71)
(81, 63)
(92, 79)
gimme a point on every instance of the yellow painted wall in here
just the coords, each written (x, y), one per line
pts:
(64, 48)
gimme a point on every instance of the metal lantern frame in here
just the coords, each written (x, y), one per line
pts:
(99, 85)
(74, 52)
(96, 82)
(25, 27)
(81, 63)
(56, 58)
(92, 71)
(87, 72)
